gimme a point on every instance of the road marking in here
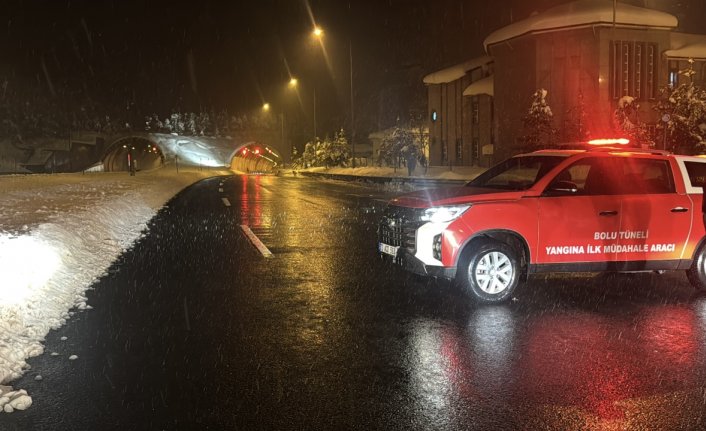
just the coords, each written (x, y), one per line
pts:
(226, 202)
(220, 190)
(262, 248)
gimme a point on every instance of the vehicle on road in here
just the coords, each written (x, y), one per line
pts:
(600, 206)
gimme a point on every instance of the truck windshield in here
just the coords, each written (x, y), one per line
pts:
(517, 173)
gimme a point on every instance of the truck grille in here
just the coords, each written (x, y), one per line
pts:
(398, 227)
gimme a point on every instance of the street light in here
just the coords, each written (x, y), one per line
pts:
(294, 84)
(318, 33)
(266, 107)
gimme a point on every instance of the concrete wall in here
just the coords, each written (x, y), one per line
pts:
(515, 82)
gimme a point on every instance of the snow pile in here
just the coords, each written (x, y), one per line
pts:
(464, 173)
(11, 400)
(58, 234)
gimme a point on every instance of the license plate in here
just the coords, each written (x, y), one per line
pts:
(388, 249)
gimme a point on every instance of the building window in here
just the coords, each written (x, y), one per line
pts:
(637, 92)
(459, 150)
(625, 69)
(475, 149)
(650, 68)
(633, 69)
(475, 110)
(444, 152)
(673, 73)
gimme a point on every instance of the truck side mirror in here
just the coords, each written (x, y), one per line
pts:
(558, 188)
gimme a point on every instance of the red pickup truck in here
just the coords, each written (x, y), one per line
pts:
(589, 210)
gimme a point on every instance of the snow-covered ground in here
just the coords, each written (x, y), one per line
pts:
(433, 172)
(60, 233)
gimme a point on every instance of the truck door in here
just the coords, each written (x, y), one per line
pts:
(579, 215)
(656, 220)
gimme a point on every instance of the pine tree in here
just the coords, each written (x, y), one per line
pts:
(539, 131)
(338, 150)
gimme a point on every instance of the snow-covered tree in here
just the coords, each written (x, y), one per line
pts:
(327, 152)
(627, 122)
(685, 107)
(338, 151)
(539, 131)
(402, 144)
(190, 124)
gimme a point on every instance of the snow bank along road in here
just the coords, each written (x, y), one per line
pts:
(58, 234)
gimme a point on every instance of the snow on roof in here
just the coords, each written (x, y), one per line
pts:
(583, 13)
(482, 86)
(456, 72)
(687, 46)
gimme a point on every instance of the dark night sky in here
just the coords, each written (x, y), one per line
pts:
(168, 55)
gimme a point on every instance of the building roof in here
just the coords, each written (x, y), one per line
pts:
(458, 71)
(584, 13)
(685, 45)
(482, 86)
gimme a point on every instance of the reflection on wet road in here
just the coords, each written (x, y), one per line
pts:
(323, 335)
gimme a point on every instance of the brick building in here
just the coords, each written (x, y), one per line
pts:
(580, 48)
(461, 112)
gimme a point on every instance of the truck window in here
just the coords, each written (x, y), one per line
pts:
(645, 176)
(517, 173)
(592, 176)
(697, 173)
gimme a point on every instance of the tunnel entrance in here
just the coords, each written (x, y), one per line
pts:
(143, 153)
(255, 158)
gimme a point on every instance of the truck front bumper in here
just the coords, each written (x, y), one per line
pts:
(410, 263)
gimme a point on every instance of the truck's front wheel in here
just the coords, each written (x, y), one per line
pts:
(489, 271)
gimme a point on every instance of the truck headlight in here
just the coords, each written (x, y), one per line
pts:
(443, 214)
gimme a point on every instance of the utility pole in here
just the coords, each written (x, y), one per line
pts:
(350, 53)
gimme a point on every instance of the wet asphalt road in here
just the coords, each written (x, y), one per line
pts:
(194, 329)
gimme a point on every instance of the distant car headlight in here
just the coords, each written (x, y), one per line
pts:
(443, 214)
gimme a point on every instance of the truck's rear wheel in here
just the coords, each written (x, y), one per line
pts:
(697, 273)
(489, 271)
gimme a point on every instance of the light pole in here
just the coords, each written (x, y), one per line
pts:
(350, 58)
(318, 33)
(294, 84)
(266, 109)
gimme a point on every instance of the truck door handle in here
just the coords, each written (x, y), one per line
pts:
(607, 213)
(679, 210)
